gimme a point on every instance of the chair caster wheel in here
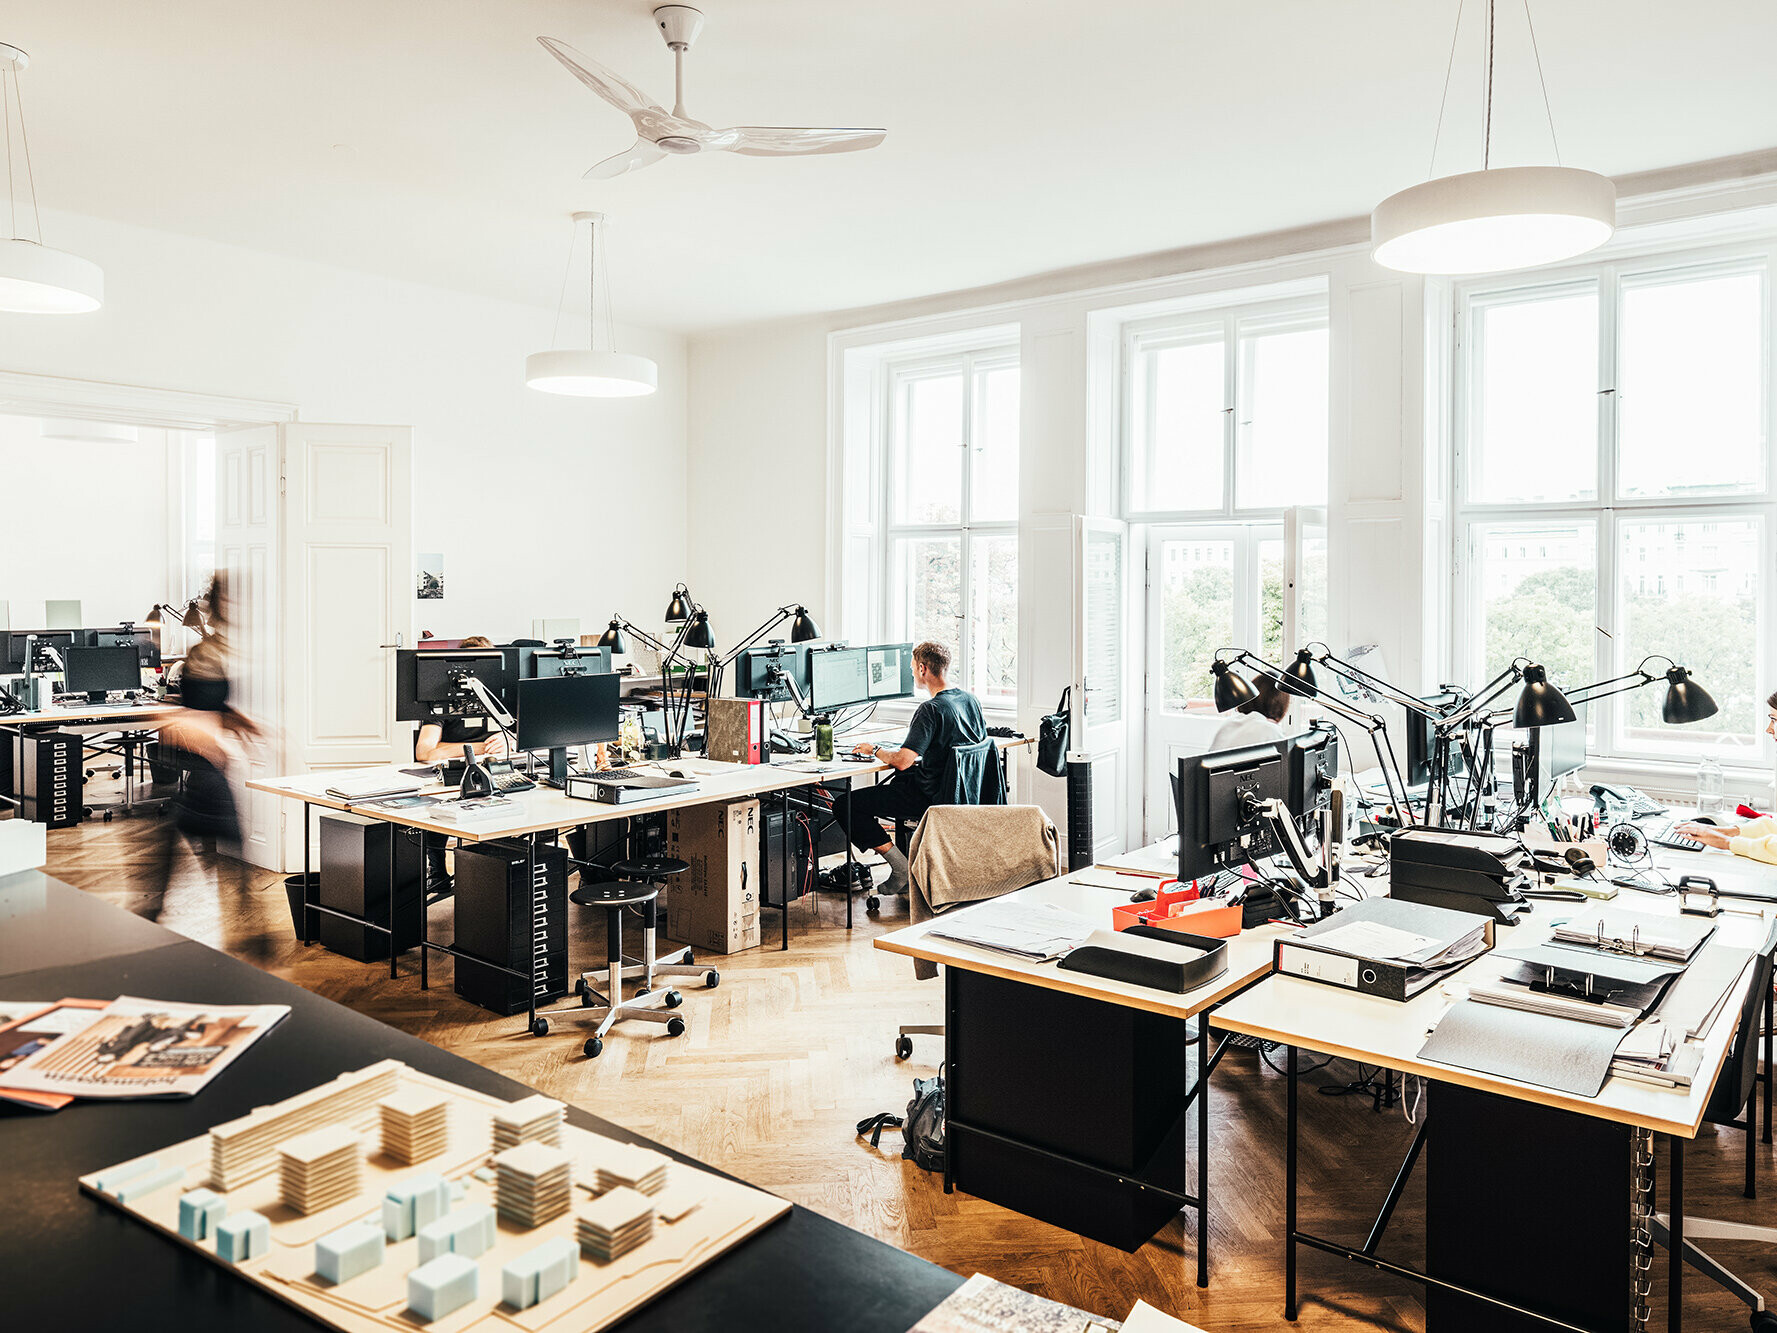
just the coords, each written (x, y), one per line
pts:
(539, 1026)
(592, 1048)
(581, 988)
(585, 998)
(673, 1000)
(903, 1048)
(108, 816)
(675, 1027)
(871, 904)
(711, 979)
(1763, 1321)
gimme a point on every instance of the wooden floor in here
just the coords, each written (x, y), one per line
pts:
(792, 1049)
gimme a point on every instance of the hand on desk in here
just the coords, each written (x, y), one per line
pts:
(1710, 835)
(864, 750)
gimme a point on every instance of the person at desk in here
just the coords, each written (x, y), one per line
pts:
(443, 741)
(949, 718)
(1756, 839)
(1258, 721)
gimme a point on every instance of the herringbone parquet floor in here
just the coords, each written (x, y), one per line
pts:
(792, 1049)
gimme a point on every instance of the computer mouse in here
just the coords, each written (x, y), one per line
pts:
(1704, 819)
(1144, 895)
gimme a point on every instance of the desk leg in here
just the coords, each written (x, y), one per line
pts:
(783, 865)
(1770, 1052)
(308, 900)
(425, 917)
(1675, 1205)
(395, 837)
(850, 787)
(1289, 1195)
(1203, 1150)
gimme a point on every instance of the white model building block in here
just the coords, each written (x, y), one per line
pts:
(242, 1236)
(412, 1203)
(199, 1212)
(469, 1231)
(24, 845)
(148, 1182)
(106, 1182)
(344, 1254)
(446, 1283)
(540, 1273)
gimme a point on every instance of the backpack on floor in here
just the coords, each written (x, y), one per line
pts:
(922, 1128)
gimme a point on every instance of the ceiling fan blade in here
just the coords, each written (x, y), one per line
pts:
(639, 154)
(614, 88)
(784, 141)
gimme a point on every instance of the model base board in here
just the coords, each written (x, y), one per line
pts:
(710, 1215)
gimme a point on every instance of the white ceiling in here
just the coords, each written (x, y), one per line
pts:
(435, 140)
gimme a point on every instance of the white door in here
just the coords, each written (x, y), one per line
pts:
(348, 562)
(1305, 579)
(1103, 678)
(247, 556)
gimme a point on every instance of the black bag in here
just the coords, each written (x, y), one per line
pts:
(1052, 736)
(922, 1129)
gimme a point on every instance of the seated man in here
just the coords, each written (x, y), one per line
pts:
(1258, 721)
(951, 717)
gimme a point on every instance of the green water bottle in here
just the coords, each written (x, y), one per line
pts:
(823, 738)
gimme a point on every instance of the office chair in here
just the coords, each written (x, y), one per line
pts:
(973, 775)
(1000, 826)
(1732, 1103)
(601, 989)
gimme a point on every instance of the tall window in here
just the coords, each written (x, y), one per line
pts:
(1224, 429)
(1613, 487)
(951, 558)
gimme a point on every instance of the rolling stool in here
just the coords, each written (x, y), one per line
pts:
(679, 963)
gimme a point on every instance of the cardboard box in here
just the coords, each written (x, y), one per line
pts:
(714, 906)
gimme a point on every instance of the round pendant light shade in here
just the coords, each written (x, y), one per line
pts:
(802, 628)
(1492, 221)
(678, 611)
(1299, 675)
(582, 373)
(1231, 688)
(1540, 704)
(1686, 701)
(35, 280)
(613, 638)
(698, 634)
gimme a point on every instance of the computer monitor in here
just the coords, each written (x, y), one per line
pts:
(1219, 825)
(59, 639)
(890, 670)
(557, 712)
(1558, 750)
(583, 662)
(96, 672)
(1421, 736)
(765, 673)
(147, 651)
(430, 684)
(1311, 762)
(520, 659)
(838, 678)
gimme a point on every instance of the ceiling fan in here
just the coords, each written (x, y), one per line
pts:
(660, 132)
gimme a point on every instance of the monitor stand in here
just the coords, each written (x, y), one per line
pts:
(558, 766)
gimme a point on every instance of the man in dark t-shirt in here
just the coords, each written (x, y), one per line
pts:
(951, 717)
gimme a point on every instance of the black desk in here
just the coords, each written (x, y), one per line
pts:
(74, 1263)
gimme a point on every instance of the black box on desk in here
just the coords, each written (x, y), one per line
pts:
(355, 878)
(509, 919)
(48, 774)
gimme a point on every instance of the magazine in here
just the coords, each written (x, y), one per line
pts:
(143, 1048)
(24, 1034)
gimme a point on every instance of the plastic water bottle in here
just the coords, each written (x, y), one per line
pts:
(1711, 791)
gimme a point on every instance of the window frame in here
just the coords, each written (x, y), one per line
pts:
(1609, 510)
(896, 375)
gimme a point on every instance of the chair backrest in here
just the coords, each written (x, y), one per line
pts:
(972, 775)
(949, 839)
(1739, 1074)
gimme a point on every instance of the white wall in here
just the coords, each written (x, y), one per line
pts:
(513, 486)
(84, 522)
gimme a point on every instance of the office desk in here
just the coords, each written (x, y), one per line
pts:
(1024, 1040)
(1527, 1189)
(137, 717)
(77, 1264)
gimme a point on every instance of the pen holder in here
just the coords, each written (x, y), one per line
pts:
(1183, 910)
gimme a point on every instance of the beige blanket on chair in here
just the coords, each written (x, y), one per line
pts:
(968, 853)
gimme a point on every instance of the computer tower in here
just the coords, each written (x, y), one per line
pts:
(47, 771)
(774, 856)
(355, 878)
(508, 918)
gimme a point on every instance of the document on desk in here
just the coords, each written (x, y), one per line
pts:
(1693, 1001)
(1540, 1049)
(1642, 934)
(1039, 931)
(1374, 939)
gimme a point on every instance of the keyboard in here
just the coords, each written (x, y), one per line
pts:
(1665, 834)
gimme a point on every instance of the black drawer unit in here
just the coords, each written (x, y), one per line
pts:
(47, 770)
(355, 878)
(512, 920)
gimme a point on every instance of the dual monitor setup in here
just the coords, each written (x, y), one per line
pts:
(93, 662)
(825, 679)
(1239, 806)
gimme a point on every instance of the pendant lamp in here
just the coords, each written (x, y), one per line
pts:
(35, 280)
(1497, 218)
(596, 370)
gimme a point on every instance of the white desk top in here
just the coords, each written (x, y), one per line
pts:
(1249, 953)
(89, 713)
(1383, 1032)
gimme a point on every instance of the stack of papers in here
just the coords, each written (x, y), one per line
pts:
(614, 1224)
(1652, 1054)
(474, 809)
(1038, 932)
(365, 789)
(1375, 940)
(1643, 934)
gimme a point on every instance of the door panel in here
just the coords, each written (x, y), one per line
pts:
(1103, 677)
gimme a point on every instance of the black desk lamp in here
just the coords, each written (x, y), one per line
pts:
(1685, 701)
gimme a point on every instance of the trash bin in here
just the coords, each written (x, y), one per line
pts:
(293, 886)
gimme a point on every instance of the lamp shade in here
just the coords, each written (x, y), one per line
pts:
(1686, 701)
(152, 619)
(1299, 676)
(580, 372)
(1232, 689)
(1540, 704)
(35, 280)
(678, 611)
(1492, 221)
(803, 628)
(697, 634)
(613, 638)
(192, 618)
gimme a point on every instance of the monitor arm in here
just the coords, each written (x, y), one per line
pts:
(779, 676)
(1320, 873)
(473, 687)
